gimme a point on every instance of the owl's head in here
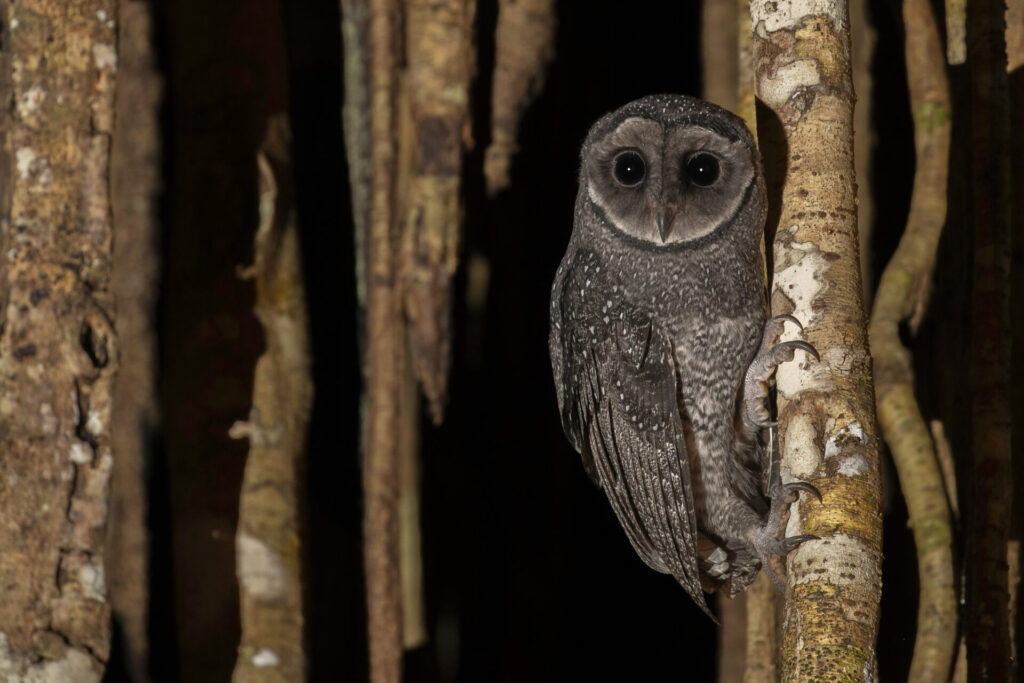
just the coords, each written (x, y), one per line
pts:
(670, 169)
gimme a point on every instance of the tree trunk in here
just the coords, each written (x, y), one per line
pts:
(827, 426)
(58, 349)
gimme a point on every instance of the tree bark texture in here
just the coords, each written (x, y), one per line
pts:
(989, 512)
(267, 545)
(523, 47)
(440, 60)
(135, 184)
(903, 295)
(826, 409)
(58, 348)
(384, 357)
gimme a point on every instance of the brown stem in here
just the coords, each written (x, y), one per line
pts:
(901, 295)
(987, 627)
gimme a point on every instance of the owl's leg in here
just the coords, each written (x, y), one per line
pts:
(769, 357)
(769, 540)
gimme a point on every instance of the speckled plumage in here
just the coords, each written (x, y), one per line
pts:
(651, 339)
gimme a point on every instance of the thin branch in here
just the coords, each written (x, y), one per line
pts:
(901, 295)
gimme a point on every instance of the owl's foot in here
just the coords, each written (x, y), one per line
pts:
(772, 354)
(769, 541)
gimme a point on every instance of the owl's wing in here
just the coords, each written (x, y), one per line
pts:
(618, 398)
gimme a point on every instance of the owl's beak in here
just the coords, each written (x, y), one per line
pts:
(665, 217)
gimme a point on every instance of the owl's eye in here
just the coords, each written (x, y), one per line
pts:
(629, 169)
(702, 169)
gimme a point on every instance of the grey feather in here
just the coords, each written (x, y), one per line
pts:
(653, 325)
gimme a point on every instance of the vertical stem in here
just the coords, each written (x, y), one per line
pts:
(383, 360)
(990, 510)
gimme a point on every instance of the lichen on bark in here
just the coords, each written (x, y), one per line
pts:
(827, 429)
(58, 347)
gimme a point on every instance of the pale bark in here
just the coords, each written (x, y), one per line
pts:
(267, 543)
(523, 46)
(903, 296)
(135, 182)
(827, 428)
(58, 347)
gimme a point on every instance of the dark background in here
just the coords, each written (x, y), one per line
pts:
(527, 573)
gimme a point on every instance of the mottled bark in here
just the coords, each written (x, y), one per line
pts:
(988, 515)
(903, 296)
(135, 185)
(523, 46)
(267, 542)
(439, 48)
(827, 426)
(58, 347)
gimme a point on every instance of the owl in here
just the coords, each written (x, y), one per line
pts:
(661, 346)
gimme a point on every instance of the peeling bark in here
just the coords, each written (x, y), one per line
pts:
(439, 52)
(826, 409)
(58, 347)
(267, 545)
(903, 295)
(135, 183)
(523, 47)
(989, 514)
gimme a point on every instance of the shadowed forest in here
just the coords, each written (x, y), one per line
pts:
(312, 461)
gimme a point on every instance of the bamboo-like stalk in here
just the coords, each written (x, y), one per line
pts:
(761, 658)
(383, 358)
(827, 428)
(762, 639)
(902, 294)
(989, 512)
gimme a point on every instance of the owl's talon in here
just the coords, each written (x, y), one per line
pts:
(790, 318)
(795, 344)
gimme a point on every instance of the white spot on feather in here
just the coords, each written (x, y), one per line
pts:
(265, 657)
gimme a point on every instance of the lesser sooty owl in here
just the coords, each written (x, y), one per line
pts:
(661, 345)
